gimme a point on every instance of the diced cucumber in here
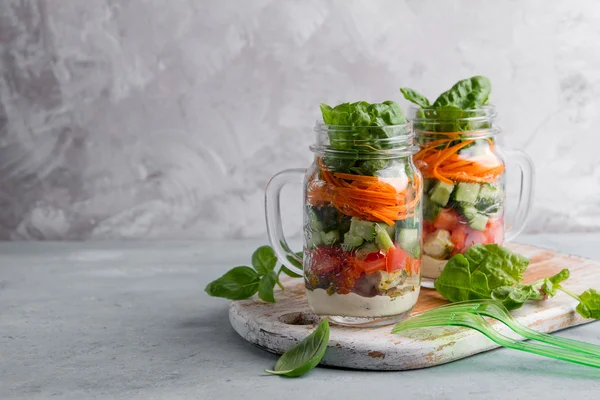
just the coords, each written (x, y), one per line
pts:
(466, 192)
(366, 249)
(438, 244)
(440, 194)
(475, 219)
(489, 192)
(382, 238)
(364, 229)
(314, 239)
(408, 239)
(391, 230)
(430, 209)
(428, 185)
(352, 241)
(313, 220)
(330, 237)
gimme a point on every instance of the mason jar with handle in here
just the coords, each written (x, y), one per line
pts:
(362, 224)
(464, 183)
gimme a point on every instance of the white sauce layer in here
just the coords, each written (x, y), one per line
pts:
(432, 268)
(353, 305)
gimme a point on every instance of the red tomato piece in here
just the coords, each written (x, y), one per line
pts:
(447, 219)
(474, 237)
(373, 262)
(428, 227)
(327, 260)
(396, 259)
(494, 231)
(458, 236)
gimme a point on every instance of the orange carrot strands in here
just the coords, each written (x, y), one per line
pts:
(367, 197)
(437, 159)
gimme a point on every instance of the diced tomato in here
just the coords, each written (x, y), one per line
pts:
(327, 260)
(413, 265)
(494, 231)
(371, 263)
(459, 237)
(474, 237)
(396, 259)
(447, 219)
(428, 227)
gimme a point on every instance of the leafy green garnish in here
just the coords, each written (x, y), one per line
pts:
(451, 110)
(415, 97)
(237, 284)
(244, 282)
(493, 272)
(480, 270)
(589, 304)
(305, 355)
(466, 94)
(357, 128)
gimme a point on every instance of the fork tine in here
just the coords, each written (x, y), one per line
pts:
(477, 322)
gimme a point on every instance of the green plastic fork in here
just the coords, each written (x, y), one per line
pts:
(495, 309)
(477, 322)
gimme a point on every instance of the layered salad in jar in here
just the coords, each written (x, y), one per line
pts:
(362, 214)
(463, 200)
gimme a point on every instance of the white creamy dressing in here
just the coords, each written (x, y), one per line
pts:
(353, 305)
(432, 268)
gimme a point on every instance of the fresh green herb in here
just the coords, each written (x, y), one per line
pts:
(415, 97)
(244, 282)
(355, 128)
(467, 94)
(449, 112)
(237, 284)
(305, 355)
(493, 272)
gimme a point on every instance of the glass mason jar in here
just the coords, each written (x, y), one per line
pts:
(464, 183)
(362, 224)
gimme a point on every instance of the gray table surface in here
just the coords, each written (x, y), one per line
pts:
(131, 321)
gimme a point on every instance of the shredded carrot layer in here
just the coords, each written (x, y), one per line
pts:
(367, 197)
(439, 159)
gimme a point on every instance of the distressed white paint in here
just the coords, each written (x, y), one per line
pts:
(166, 119)
(266, 325)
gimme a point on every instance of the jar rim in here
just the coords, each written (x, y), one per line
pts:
(475, 122)
(399, 142)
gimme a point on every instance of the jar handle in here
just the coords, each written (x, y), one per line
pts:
(525, 164)
(273, 216)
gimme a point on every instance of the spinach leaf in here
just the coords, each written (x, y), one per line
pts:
(265, 287)
(264, 260)
(415, 97)
(482, 269)
(466, 94)
(237, 284)
(305, 355)
(552, 284)
(589, 306)
(513, 297)
(457, 283)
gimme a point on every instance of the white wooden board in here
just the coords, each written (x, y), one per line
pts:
(277, 327)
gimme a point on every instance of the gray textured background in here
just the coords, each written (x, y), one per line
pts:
(128, 119)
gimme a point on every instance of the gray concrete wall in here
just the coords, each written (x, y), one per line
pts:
(130, 119)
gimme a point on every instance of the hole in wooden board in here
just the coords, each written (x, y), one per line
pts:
(299, 318)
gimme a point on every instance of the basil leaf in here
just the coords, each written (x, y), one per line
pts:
(238, 284)
(264, 260)
(415, 97)
(305, 355)
(589, 306)
(466, 94)
(265, 287)
(289, 272)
